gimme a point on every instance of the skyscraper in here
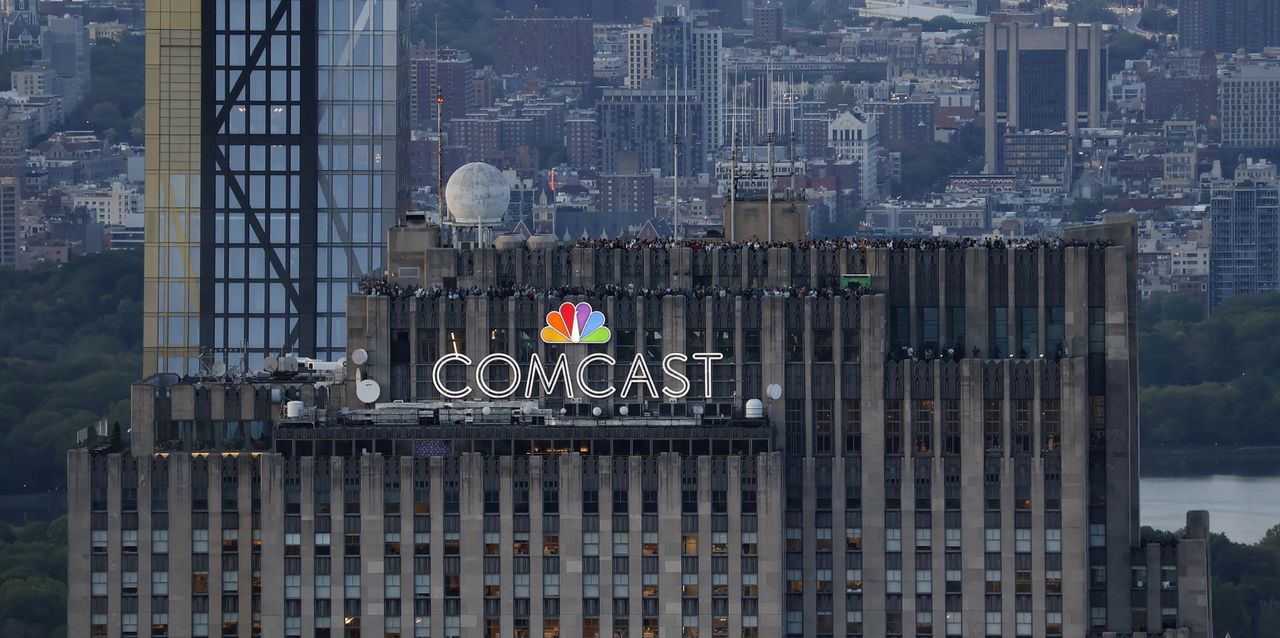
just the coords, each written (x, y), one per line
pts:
(9, 222)
(1225, 26)
(723, 460)
(672, 52)
(1244, 252)
(436, 74)
(1040, 78)
(638, 131)
(275, 161)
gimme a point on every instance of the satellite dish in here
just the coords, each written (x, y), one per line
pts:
(597, 411)
(271, 364)
(775, 391)
(218, 369)
(624, 410)
(359, 356)
(368, 391)
(486, 410)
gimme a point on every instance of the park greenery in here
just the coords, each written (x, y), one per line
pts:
(1246, 586)
(33, 579)
(1210, 381)
(70, 347)
(114, 104)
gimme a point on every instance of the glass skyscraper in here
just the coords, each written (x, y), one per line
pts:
(273, 170)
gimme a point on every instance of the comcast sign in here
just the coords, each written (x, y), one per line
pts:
(569, 325)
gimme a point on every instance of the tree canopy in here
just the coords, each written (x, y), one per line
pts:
(70, 347)
(1210, 381)
(115, 100)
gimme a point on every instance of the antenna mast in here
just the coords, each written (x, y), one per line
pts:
(675, 164)
(733, 165)
(439, 129)
(769, 142)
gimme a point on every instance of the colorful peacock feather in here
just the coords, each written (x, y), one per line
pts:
(575, 324)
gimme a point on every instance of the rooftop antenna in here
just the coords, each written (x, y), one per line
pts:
(733, 164)
(439, 129)
(675, 152)
(769, 142)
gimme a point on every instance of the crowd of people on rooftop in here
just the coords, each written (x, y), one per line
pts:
(385, 288)
(915, 243)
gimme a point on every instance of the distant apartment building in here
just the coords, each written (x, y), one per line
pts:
(509, 134)
(557, 49)
(767, 21)
(33, 81)
(855, 137)
(111, 205)
(1225, 26)
(625, 194)
(438, 74)
(674, 53)
(1040, 78)
(904, 123)
(637, 129)
(1244, 253)
(1194, 97)
(1036, 156)
(1250, 106)
(582, 141)
(9, 191)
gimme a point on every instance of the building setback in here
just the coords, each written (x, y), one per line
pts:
(872, 492)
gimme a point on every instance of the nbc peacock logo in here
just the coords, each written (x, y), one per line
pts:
(575, 324)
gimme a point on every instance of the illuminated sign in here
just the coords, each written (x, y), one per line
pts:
(569, 325)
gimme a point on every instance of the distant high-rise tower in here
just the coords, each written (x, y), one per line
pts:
(674, 53)
(1244, 255)
(1041, 78)
(8, 222)
(1225, 26)
(276, 156)
(438, 74)
(767, 21)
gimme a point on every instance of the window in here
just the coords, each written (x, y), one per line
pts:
(1052, 540)
(893, 581)
(1097, 535)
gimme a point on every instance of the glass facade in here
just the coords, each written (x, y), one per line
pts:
(276, 129)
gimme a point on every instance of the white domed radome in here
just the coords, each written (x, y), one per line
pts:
(477, 194)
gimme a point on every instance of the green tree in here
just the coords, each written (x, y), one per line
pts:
(1126, 46)
(1091, 11)
(116, 90)
(69, 351)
